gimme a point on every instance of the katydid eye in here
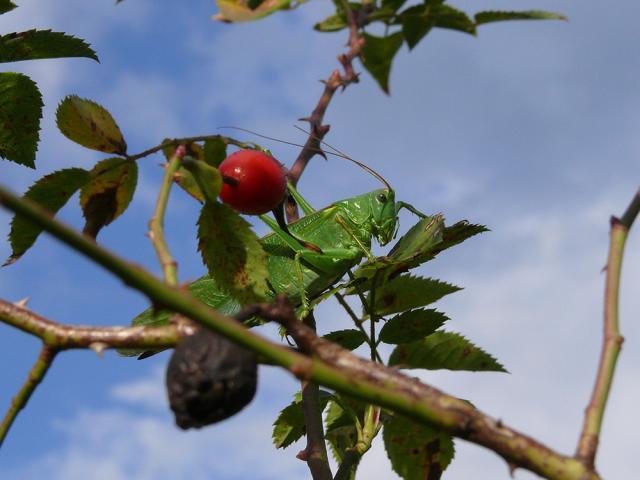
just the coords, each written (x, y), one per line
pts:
(382, 198)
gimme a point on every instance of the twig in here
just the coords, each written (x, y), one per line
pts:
(187, 140)
(63, 337)
(327, 363)
(36, 374)
(317, 130)
(315, 453)
(156, 224)
(612, 340)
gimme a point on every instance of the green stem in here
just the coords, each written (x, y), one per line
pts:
(36, 374)
(356, 321)
(330, 365)
(612, 339)
(156, 224)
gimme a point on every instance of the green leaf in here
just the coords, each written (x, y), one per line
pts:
(413, 249)
(349, 338)
(406, 292)
(333, 23)
(232, 253)
(207, 178)
(451, 18)
(50, 192)
(416, 451)
(408, 326)
(289, 426)
(6, 6)
(108, 194)
(377, 55)
(341, 432)
(89, 124)
(416, 21)
(215, 151)
(38, 44)
(447, 350)
(457, 233)
(183, 177)
(500, 16)
(240, 11)
(20, 113)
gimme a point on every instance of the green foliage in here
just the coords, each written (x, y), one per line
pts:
(215, 151)
(232, 253)
(416, 451)
(207, 178)
(341, 429)
(377, 55)
(501, 16)
(108, 194)
(20, 113)
(444, 350)
(412, 324)
(39, 44)
(6, 6)
(50, 192)
(90, 125)
(406, 292)
(289, 426)
(348, 338)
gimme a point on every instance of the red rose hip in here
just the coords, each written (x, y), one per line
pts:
(254, 182)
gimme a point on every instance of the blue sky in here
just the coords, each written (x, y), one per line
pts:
(531, 129)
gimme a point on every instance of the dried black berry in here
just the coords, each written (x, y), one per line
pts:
(209, 378)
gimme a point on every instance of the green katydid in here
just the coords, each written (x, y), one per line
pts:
(342, 233)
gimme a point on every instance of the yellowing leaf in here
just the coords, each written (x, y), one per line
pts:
(90, 125)
(107, 195)
(240, 11)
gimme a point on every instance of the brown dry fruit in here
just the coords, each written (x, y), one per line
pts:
(209, 378)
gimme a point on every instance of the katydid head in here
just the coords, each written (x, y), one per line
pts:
(384, 219)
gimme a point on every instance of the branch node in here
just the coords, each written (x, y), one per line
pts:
(99, 348)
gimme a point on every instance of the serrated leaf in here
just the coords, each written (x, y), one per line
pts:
(241, 11)
(20, 113)
(6, 6)
(408, 326)
(406, 292)
(289, 426)
(232, 253)
(108, 194)
(215, 151)
(38, 44)
(341, 432)
(500, 16)
(416, 451)
(416, 21)
(90, 125)
(458, 233)
(349, 338)
(413, 249)
(451, 18)
(50, 192)
(207, 178)
(444, 350)
(377, 56)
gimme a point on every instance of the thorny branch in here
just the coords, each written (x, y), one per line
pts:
(335, 81)
(326, 363)
(612, 339)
